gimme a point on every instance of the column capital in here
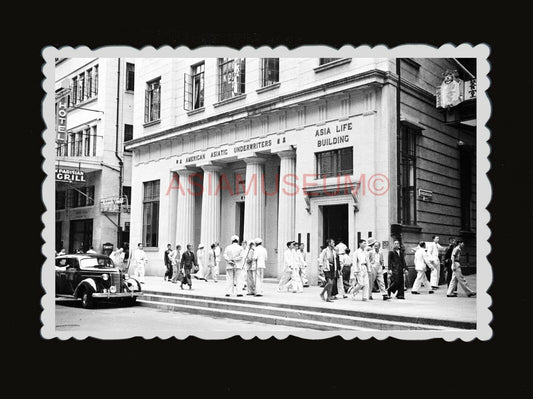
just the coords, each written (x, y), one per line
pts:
(211, 167)
(286, 154)
(188, 171)
(253, 159)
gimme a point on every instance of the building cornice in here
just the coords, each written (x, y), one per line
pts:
(371, 77)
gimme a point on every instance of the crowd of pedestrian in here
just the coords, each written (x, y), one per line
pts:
(342, 275)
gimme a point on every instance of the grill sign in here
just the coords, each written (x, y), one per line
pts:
(70, 175)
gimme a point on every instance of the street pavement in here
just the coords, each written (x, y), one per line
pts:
(110, 318)
(433, 306)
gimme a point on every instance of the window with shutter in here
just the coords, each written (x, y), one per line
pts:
(187, 92)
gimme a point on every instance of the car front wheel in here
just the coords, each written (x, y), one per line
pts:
(87, 300)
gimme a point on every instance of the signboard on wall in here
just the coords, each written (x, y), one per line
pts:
(61, 119)
(70, 175)
(454, 91)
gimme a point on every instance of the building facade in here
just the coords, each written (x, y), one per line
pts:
(297, 149)
(94, 116)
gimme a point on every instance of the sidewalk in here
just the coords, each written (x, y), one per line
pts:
(433, 306)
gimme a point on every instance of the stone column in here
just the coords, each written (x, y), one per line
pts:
(185, 213)
(286, 204)
(254, 205)
(210, 226)
(172, 208)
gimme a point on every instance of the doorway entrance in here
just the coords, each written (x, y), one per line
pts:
(80, 235)
(335, 219)
(239, 220)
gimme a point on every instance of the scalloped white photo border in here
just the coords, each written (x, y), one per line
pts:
(484, 192)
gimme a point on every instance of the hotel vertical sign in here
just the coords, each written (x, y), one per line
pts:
(61, 119)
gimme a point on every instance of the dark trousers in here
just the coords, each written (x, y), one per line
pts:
(331, 284)
(346, 270)
(448, 267)
(397, 283)
(168, 273)
(187, 276)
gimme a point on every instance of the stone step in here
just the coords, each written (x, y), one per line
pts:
(423, 322)
(314, 318)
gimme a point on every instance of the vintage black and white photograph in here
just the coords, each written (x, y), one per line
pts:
(262, 192)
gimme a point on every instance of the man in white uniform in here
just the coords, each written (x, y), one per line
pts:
(303, 265)
(421, 263)
(200, 258)
(139, 260)
(234, 256)
(375, 257)
(117, 257)
(361, 271)
(288, 264)
(433, 249)
(260, 257)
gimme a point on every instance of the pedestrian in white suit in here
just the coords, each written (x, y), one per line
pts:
(361, 268)
(433, 249)
(457, 277)
(234, 256)
(421, 263)
(260, 258)
(138, 260)
(375, 257)
(288, 264)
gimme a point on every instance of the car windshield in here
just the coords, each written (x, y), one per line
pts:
(96, 262)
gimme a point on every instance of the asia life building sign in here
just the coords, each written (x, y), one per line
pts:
(454, 91)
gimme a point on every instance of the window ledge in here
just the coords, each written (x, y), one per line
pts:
(129, 91)
(152, 123)
(230, 100)
(83, 103)
(411, 227)
(151, 249)
(332, 64)
(195, 111)
(268, 88)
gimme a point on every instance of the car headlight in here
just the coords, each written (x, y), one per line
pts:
(112, 289)
(105, 277)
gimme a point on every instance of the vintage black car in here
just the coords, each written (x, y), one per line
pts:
(91, 277)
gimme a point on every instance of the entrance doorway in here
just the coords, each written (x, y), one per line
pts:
(80, 235)
(335, 218)
(239, 220)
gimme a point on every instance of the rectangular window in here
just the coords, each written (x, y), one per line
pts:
(95, 80)
(87, 143)
(465, 168)
(81, 87)
(335, 162)
(407, 175)
(128, 132)
(193, 88)
(152, 104)
(151, 213)
(79, 143)
(126, 192)
(60, 199)
(94, 141)
(89, 84)
(74, 90)
(72, 141)
(323, 61)
(231, 77)
(269, 71)
(130, 76)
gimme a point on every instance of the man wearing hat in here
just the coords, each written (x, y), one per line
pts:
(260, 257)
(234, 256)
(376, 261)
